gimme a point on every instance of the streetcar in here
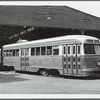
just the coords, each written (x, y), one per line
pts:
(71, 55)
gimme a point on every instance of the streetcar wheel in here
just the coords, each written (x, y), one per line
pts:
(14, 70)
(44, 73)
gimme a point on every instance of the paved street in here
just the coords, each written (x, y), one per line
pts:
(25, 83)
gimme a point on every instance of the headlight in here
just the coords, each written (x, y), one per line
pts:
(98, 63)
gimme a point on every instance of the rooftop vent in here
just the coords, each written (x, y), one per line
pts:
(21, 41)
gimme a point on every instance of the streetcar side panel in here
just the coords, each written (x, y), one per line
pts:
(47, 62)
(34, 62)
(12, 61)
(11, 58)
(70, 60)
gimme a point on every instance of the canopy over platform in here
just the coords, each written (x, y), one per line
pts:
(48, 16)
(38, 22)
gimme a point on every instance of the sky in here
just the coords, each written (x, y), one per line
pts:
(90, 7)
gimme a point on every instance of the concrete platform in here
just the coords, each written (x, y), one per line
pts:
(23, 83)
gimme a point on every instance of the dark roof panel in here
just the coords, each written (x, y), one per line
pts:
(48, 16)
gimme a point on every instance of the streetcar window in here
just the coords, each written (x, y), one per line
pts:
(92, 49)
(96, 41)
(97, 49)
(38, 51)
(49, 50)
(17, 52)
(13, 52)
(22, 52)
(55, 50)
(64, 49)
(7, 53)
(78, 49)
(64, 59)
(78, 59)
(26, 52)
(10, 53)
(4, 53)
(73, 49)
(68, 59)
(43, 50)
(89, 49)
(32, 51)
(79, 66)
(68, 49)
(74, 59)
(68, 66)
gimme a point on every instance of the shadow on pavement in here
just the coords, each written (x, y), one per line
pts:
(28, 73)
(82, 78)
(10, 77)
(65, 77)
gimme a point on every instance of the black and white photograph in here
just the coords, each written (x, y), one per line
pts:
(50, 48)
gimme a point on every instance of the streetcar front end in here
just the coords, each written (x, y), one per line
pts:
(91, 58)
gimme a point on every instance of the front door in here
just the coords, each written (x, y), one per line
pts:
(71, 59)
(24, 60)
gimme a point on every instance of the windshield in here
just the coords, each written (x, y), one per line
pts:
(92, 49)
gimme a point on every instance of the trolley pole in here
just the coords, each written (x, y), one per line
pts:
(82, 31)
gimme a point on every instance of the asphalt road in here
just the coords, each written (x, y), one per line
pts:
(23, 83)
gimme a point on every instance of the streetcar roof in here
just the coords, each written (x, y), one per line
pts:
(78, 38)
